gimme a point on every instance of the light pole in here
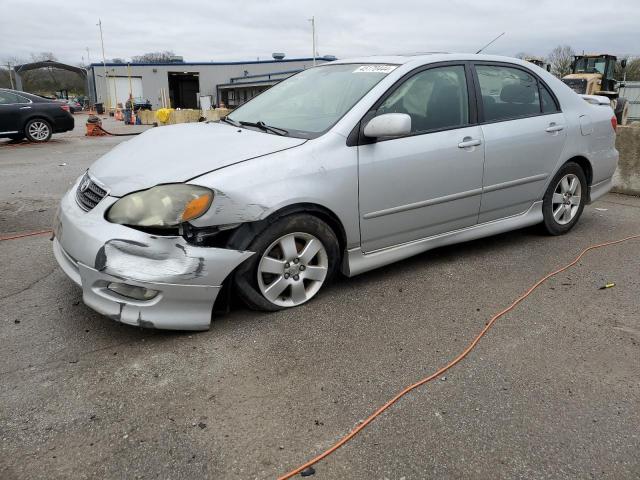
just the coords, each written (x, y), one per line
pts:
(313, 40)
(104, 65)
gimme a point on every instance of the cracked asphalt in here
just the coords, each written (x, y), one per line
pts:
(553, 391)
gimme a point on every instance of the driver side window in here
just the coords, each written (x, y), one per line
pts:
(435, 99)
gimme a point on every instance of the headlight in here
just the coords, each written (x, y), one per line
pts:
(161, 206)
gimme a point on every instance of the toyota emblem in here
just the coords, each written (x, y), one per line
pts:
(86, 181)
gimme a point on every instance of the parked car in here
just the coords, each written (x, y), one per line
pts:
(74, 106)
(347, 166)
(140, 103)
(37, 118)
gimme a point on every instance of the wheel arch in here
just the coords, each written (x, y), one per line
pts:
(586, 167)
(246, 232)
(37, 116)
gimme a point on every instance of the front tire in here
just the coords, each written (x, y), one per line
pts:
(295, 257)
(564, 199)
(38, 130)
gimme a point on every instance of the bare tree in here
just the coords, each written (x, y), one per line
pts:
(560, 60)
(153, 57)
(632, 71)
(523, 55)
(43, 57)
(5, 81)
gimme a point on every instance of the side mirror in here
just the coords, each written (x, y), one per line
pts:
(388, 125)
(623, 63)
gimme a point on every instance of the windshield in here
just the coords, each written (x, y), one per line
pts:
(590, 65)
(311, 102)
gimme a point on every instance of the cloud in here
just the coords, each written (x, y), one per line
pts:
(216, 30)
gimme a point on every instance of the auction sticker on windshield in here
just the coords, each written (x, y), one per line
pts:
(375, 69)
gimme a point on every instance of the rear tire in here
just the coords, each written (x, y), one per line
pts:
(622, 111)
(38, 130)
(564, 199)
(280, 274)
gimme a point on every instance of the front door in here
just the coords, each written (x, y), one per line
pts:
(524, 133)
(430, 181)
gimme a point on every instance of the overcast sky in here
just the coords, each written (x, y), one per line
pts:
(247, 29)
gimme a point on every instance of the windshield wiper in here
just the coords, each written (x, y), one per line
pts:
(230, 121)
(263, 126)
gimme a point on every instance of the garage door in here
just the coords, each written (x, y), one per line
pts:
(119, 88)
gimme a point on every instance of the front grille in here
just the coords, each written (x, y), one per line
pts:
(89, 194)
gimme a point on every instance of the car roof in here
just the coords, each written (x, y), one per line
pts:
(428, 57)
(30, 96)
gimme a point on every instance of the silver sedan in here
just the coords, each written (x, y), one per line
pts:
(344, 167)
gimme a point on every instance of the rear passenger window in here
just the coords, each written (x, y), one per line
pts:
(507, 92)
(434, 99)
(8, 98)
(548, 103)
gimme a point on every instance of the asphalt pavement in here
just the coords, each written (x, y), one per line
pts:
(553, 390)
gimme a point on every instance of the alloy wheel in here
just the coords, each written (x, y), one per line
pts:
(566, 199)
(39, 131)
(293, 269)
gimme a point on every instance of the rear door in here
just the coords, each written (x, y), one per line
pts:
(524, 133)
(11, 106)
(429, 181)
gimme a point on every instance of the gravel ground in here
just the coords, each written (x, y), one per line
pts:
(553, 391)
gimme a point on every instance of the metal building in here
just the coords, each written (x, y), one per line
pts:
(231, 83)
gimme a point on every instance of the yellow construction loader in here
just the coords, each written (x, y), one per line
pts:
(594, 75)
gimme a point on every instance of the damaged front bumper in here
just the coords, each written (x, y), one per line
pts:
(180, 281)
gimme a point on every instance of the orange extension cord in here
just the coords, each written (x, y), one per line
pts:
(22, 235)
(449, 365)
(434, 375)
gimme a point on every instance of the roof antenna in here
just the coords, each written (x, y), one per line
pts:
(490, 42)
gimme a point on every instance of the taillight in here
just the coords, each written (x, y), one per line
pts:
(65, 108)
(614, 123)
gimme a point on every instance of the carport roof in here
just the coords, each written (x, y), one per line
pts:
(49, 63)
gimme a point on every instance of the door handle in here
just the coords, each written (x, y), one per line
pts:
(554, 128)
(469, 142)
(24, 108)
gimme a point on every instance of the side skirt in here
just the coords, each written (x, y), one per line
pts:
(600, 189)
(357, 262)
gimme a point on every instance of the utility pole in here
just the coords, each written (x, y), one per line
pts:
(9, 72)
(104, 64)
(88, 57)
(313, 41)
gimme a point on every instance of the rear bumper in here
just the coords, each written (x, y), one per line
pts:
(95, 253)
(63, 123)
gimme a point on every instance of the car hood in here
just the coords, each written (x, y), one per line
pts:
(178, 153)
